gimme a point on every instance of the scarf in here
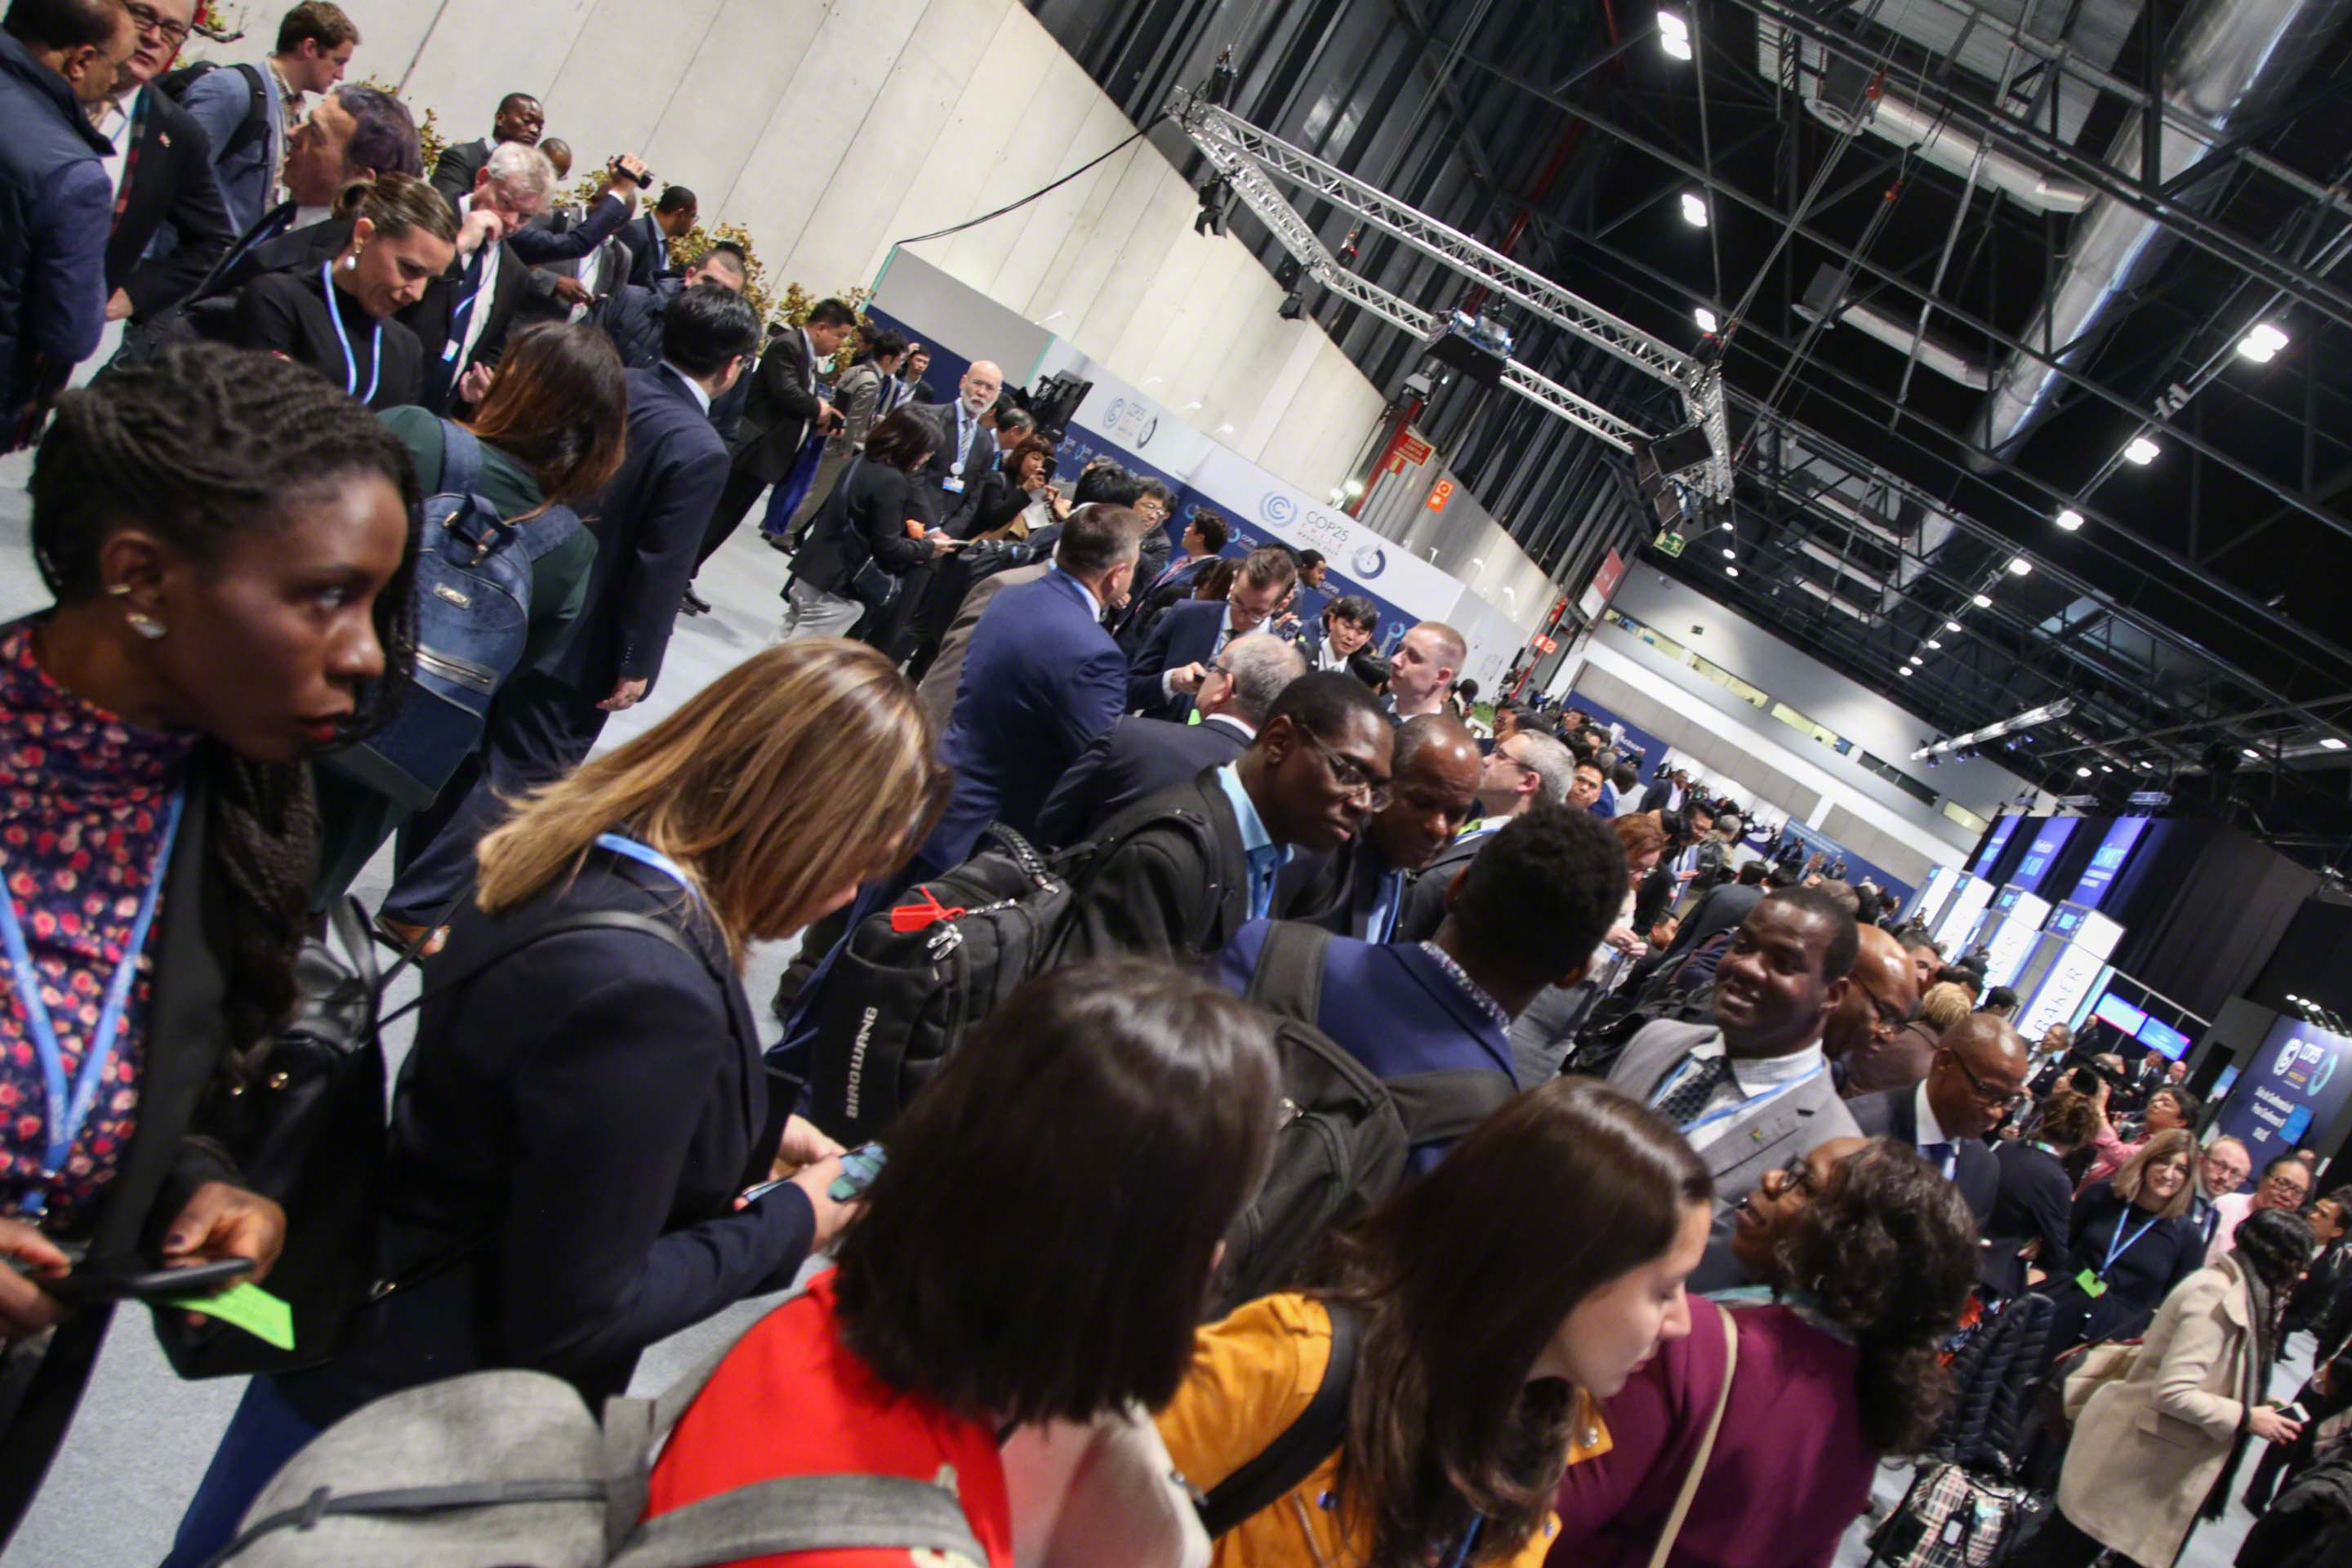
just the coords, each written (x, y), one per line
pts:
(2263, 1309)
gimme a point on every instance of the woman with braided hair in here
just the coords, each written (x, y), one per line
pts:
(228, 540)
(1867, 1254)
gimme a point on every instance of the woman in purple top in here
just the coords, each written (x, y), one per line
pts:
(1867, 1254)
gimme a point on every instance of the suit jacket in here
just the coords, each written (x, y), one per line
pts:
(454, 171)
(543, 246)
(648, 248)
(1718, 909)
(286, 251)
(2034, 1200)
(169, 179)
(434, 314)
(1792, 1124)
(1041, 681)
(1186, 634)
(1133, 758)
(942, 507)
(781, 403)
(1424, 897)
(1337, 891)
(648, 525)
(1895, 1113)
(941, 681)
(1172, 882)
(864, 518)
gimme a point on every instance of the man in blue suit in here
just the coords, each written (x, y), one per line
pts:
(1526, 914)
(1174, 660)
(648, 524)
(1041, 681)
(1138, 756)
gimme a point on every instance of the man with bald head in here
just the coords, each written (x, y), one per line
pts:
(946, 488)
(1358, 891)
(1976, 1078)
(1873, 1034)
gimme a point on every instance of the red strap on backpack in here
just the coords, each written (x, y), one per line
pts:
(906, 919)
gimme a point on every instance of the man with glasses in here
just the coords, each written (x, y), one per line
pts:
(1524, 769)
(1139, 757)
(249, 112)
(162, 172)
(1180, 872)
(2285, 1183)
(1977, 1078)
(1173, 660)
(1870, 1035)
(1359, 891)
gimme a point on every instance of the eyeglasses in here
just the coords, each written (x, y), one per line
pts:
(1991, 1098)
(1797, 1175)
(2280, 1181)
(149, 20)
(1502, 755)
(1348, 774)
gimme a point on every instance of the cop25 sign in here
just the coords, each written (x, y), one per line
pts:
(2291, 1092)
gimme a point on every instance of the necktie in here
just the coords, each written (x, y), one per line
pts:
(1940, 1155)
(1684, 1104)
(469, 284)
(1262, 867)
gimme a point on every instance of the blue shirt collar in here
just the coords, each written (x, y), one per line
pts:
(1094, 605)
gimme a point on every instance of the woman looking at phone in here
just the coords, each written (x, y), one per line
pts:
(584, 1104)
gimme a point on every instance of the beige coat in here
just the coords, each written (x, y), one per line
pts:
(2148, 1449)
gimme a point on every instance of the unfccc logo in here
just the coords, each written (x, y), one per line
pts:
(1370, 562)
(1277, 508)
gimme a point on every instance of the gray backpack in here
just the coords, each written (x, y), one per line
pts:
(508, 1470)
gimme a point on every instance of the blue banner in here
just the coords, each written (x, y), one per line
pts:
(2108, 859)
(2292, 1093)
(2049, 838)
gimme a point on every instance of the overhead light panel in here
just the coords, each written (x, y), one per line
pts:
(2252, 752)
(1694, 209)
(1907, 669)
(1952, 625)
(2142, 451)
(2068, 519)
(1983, 601)
(1674, 36)
(2018, 566)
(1705, 319)
(2082, 772)
(1729, 553)
(1731, 571)
(2262, 342)
(2331, 742)
(1932, 643)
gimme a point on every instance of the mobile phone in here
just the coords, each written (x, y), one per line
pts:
(87, 1284)
(858, 1169)
(2296, 1413)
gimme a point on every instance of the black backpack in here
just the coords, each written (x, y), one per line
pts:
(1346, 1132)
(913, 980)
(256, 123)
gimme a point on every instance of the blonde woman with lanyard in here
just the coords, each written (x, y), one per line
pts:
(339, 320)
(2131, 1242)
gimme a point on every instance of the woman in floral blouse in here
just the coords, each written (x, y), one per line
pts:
(228, 541)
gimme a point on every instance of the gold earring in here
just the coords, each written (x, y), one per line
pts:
(146, 625)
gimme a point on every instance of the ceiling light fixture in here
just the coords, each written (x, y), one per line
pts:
(2331, 742)
(1694, 209)
(1674, 36)
(1907, 669)
(2068, 519)
(1932, 643)
(1983, 601)
(2252, 752)
(1705, 319)
(1731, 571)
(2082, 772)
(2262, 342)
(1729, 553)
(2142, 451)
(2018, 566)
(1952, 625)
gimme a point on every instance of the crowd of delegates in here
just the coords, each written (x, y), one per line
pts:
(1769, 1094)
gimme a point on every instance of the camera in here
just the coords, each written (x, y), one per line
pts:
(613, 168)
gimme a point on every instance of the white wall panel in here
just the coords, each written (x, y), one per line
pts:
(480, 50)
(1042, 229)
(604, 100)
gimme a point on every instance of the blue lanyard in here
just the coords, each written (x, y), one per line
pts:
(1469, 1540)
(646, 854)
(2118, 1246)
(1739, 1108)
(68, 1110)
(351, 365)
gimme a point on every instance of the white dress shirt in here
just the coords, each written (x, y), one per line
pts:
(1757, 1079)
(479, 315)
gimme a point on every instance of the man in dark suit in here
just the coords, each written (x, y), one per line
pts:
(1184, 869)
(1042, 680)
(464, 315)
(520, 119)
(782, 407)
(1527, 916)
(1359, 889)
(1169, 667)
(1138, 756)
(167, 177)
(1869, 1037)
(947, 486)
(650, 236)
(1340, 634)
(647, 524)
(1666, 791)
(1978, 1077)
(1523, 771)
(634, 317)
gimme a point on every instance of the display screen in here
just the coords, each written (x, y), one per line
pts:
(2049, 838)
(2221, 1085)
(2114, 1010)
(2108, 859)
(2013, 942)
(2158, 1036)
(1995, 845)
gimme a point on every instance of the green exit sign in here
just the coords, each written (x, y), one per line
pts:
(1669, 543)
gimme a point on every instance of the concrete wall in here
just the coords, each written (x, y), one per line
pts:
(831, 131)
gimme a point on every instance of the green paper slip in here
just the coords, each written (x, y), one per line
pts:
(250, 1308)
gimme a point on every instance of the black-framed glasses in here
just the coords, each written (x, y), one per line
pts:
(1991, 1098)
(150, 20)
(1348, 774)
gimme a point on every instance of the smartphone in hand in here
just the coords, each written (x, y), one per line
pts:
(88, 1285)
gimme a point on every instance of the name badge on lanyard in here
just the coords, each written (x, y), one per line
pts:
(67, 1106)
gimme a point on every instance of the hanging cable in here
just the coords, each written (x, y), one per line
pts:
(1042, 190)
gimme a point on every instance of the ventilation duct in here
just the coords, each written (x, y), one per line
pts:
(1893, 331)
(2233, 63)
(1837, 91)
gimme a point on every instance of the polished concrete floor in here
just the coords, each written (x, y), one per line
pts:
(144, 1437)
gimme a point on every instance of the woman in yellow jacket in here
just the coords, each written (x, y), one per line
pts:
(1494, 1303)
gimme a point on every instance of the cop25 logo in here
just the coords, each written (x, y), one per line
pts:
(2308, 1055)
(1368, 562)
(1277, 508)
